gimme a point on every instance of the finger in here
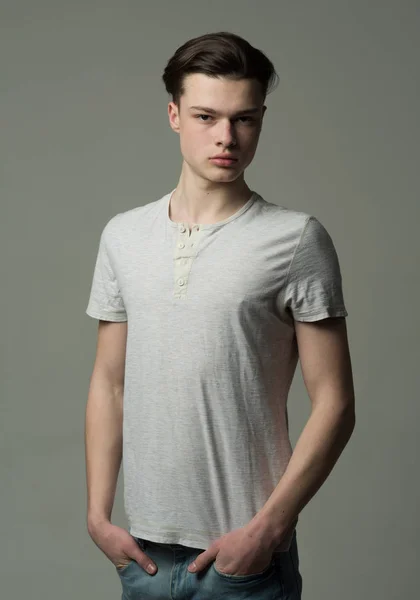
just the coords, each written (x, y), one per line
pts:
(145, 561)
(202, 560)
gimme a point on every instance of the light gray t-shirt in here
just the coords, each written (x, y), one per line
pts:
(211, 354)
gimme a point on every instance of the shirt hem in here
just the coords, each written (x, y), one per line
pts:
(97, 314)
(163, 539)
(321, 314)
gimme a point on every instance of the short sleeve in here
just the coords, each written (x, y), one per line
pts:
(313, 288)
(105, 301)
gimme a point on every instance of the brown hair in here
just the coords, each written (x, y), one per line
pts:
(221, 54)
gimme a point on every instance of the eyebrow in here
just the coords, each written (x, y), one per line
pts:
(214, 112)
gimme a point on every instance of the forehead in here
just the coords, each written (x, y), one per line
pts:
(221, 92)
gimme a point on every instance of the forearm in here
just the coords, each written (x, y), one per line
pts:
(319, 446)
(103, 446)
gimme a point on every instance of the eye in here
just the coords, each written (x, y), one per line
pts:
(249, 119)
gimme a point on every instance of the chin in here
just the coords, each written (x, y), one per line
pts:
(225, 177)
(223, 173)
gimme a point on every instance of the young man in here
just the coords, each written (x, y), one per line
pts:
(206, 300)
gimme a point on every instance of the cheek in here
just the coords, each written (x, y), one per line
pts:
(193, 143)
(251, 144)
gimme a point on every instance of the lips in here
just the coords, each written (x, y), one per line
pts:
(225, 157)
(223, 162)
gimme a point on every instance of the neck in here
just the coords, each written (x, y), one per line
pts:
(196, 200)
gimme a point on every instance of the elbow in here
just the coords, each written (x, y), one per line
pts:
(349, 419)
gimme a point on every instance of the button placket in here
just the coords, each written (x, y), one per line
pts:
(184, 255)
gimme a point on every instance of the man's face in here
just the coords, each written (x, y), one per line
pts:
(230, 130)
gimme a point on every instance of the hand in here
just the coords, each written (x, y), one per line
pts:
(239, 552)
(119, 545)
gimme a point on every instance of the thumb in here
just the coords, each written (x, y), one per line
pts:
(203, 559)
(144, 561)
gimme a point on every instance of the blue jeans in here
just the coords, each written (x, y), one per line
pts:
(281, 580)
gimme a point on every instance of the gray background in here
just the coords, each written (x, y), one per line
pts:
(84, 135)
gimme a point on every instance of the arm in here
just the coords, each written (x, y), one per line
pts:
(327, 373)
(103, 426)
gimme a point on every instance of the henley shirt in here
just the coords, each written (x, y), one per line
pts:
(210, 357)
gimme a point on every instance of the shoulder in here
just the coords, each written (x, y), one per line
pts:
(283, 219)
(303, 224)
(122, 224)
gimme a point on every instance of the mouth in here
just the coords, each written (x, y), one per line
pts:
(224, 161)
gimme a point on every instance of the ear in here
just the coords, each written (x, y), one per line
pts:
(173, 116)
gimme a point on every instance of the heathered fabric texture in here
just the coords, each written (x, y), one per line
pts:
(211, 354)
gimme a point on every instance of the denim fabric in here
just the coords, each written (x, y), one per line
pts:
(281, 580)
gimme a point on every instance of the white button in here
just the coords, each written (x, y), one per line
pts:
(182, 229)
(181, 245)
(197, 228)
(180, 282)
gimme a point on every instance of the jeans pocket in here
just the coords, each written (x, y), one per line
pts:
(124, 568)
(262, 575)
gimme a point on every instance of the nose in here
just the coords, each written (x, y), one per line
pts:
(226, 133)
